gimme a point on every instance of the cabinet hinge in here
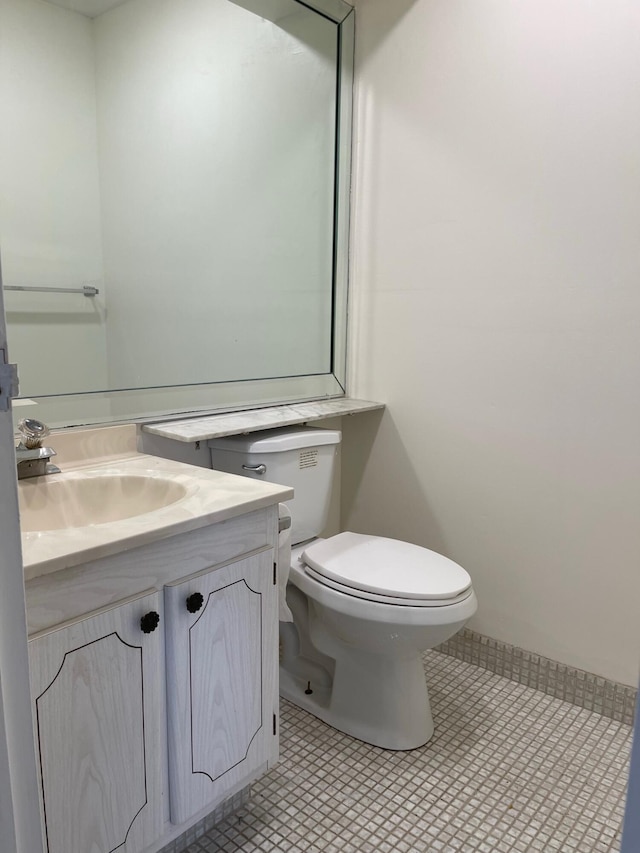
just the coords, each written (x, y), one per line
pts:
(274, 724)
(275, 574)
(9, 384)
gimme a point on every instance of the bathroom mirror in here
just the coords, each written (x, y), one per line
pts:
(174, 180)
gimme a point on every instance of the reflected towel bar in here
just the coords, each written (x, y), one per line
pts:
(86, 290)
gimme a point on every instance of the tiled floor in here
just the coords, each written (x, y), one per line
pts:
(508, 769)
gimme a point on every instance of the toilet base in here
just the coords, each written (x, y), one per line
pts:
(382, 701)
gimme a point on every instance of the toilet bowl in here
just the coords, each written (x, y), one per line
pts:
(374, 687)
(364, 607)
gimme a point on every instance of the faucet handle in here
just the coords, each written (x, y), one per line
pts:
(32, 432)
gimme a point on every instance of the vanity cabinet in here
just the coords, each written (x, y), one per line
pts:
(222, 680)
(97, 693)
(140, 735)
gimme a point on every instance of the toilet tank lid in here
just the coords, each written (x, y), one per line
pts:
(276, 440)
(387, 567)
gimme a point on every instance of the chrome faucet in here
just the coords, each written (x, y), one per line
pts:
(32, 458)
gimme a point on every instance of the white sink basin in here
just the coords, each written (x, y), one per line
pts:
(56, 503)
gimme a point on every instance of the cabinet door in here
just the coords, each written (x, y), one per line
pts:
(97, 694)
(222, 681)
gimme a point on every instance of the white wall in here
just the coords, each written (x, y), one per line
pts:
(216, 163)
(496, 309)
(50, 205)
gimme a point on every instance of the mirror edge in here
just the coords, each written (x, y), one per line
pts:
(344, 135)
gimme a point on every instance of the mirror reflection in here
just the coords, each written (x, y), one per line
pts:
(177, 159)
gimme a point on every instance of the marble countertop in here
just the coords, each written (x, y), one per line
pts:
(235, 423)
(208, 497)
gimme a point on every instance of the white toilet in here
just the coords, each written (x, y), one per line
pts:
(364, 607)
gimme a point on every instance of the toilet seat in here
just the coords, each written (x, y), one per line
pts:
(384, 599)
(386, 571)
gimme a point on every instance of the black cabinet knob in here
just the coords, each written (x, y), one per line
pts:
(195, 602)
(150, 622)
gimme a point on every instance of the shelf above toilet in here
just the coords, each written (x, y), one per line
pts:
(234, 423)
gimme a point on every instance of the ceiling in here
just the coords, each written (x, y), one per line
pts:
(91, 8)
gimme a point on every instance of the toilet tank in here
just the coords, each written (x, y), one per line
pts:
(300, 457)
